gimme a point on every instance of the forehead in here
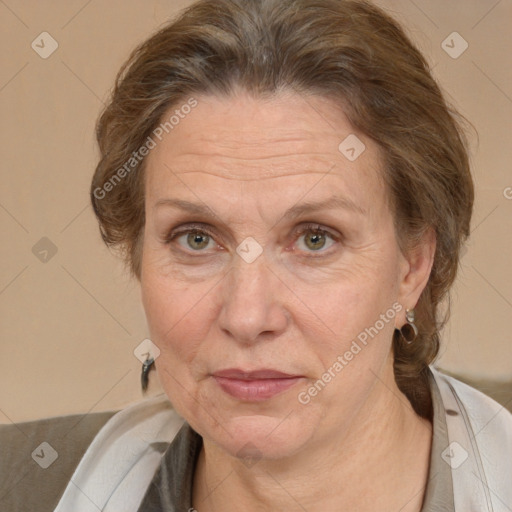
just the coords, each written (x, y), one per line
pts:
(276, 143)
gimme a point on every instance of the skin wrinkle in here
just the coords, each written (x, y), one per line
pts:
(287, 311)
(283, 169)
(369, 209)
(259, 178)
(295, 213)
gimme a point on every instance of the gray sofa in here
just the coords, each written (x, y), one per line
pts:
(25, 484)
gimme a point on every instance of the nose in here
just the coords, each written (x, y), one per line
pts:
(252, 308)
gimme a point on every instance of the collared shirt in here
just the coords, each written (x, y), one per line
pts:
(171, 487)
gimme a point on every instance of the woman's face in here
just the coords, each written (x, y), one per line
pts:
(255, 288)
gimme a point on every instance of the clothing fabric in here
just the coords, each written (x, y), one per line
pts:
(145, 457)
(27, 484)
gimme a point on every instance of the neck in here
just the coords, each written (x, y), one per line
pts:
(383, 458)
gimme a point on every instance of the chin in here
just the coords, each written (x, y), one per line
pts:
(261, 437)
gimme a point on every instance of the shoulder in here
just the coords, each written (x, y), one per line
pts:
(480, 445)
(120, 462)
(481, 425)
(484, 412)
(37, 458)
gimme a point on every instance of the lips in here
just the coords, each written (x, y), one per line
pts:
(234, 373)
(256, 385)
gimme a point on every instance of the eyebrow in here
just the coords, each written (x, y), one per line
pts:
(309, 207)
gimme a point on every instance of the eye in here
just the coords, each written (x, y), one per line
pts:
(315, 239)
(311, 238)
(193, 238)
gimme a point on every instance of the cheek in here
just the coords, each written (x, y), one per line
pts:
(356, 330)
(358, 317)
(165, 310)
(179, 316)
(174, 324)
(357, 300)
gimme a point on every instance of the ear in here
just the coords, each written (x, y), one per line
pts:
(416, 266)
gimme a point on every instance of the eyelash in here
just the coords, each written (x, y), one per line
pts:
(304, 228)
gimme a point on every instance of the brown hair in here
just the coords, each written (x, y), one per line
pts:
(347, 50)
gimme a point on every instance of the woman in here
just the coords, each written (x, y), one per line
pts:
(292, 191)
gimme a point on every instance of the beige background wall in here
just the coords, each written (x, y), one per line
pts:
(69, 325)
